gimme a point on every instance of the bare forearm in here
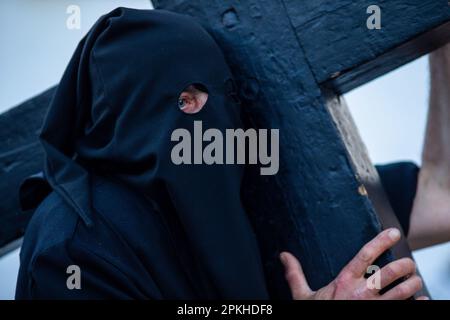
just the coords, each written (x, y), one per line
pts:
(436, 152)
(430, 218)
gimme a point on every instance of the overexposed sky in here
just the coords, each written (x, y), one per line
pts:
(37, 45)
(390, 112)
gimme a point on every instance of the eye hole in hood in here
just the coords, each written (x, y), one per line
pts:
(193, 98)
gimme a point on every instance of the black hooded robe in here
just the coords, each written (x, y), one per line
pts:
(137, 225)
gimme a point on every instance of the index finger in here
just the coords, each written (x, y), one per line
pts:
(385, 240)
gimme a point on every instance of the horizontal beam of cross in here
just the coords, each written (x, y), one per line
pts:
(20, 156)
(344, 53)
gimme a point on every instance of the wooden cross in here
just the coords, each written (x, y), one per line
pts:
(293, 60)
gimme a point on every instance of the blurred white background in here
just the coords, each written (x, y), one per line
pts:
(390, 111)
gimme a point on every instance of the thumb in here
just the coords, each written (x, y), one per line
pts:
(295, 277)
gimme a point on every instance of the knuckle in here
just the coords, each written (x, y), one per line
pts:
(366, 254)
(291, 276)
(342, 280)
(402, 291)
(361, 294)
(389, 272)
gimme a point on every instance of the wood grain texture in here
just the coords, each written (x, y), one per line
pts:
(339, 46)
(20, 156)
(365, 173)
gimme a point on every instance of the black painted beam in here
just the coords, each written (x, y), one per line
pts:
(364, 171)
(20, 156)
(343, 52)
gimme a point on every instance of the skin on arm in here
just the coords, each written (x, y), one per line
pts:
(350, 284)
(430, 217)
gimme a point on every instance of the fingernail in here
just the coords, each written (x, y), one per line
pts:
(283, 258)
(394, 234)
